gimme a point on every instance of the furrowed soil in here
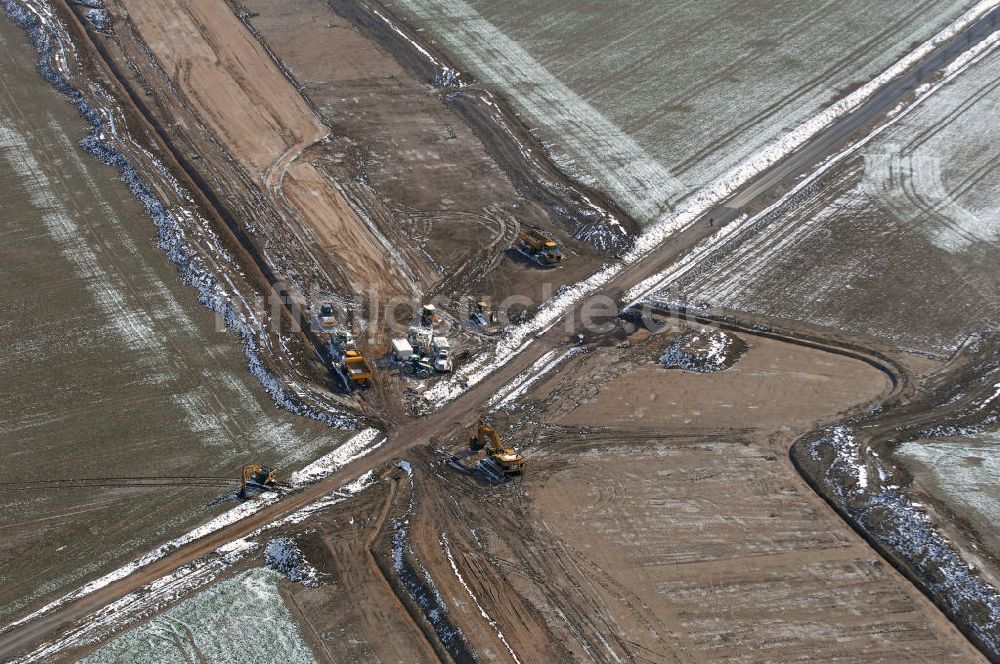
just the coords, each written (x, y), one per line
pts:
(111, 368)
(351, 180)
(654, 100)
(672, 527)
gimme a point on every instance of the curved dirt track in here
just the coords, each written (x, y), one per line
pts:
(465, 409)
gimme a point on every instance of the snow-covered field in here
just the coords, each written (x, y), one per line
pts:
(243, 619)
(110, 364)
(898, 241)
(652, 101)
(966, 470)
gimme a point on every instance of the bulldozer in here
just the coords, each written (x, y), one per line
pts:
(256, 478)
(486, 438)
(539, 247)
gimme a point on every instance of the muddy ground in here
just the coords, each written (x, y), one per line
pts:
(661, 518)
(683, 534)
(111, 367)
(341, 191)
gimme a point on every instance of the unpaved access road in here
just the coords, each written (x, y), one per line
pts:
(239, 92)
(467, 407)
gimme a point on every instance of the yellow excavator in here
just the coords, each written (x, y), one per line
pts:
(256, 478)
(486, 438)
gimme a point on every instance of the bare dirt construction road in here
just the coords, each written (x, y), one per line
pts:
(702, 510)
(237, 90)
(669, 527)
(125, 413)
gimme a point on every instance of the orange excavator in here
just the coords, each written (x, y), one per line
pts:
(486, 438)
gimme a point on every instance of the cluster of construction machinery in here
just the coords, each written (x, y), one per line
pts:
(422, 354)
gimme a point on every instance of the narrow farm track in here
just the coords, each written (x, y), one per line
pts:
(465, 409)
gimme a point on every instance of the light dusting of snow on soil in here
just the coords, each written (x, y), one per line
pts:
(185, 237)
(243, 619)
(516, 338)
(242, 511)
(187, 579)
(966, 469)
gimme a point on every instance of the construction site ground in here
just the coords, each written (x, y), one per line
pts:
(661, 517)
(126, 411)
(294, 118)
(670, 526)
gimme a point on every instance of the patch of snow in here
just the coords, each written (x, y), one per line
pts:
(243, 618)
(285, 557)
(702, 352)
(362, 443)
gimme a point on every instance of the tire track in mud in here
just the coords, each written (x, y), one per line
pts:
(591, 215)
(419, 432)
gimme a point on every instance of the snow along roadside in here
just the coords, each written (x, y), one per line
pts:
(711, 244)
(357, 446)
(520, 383)
(155, 595)
(519, 336)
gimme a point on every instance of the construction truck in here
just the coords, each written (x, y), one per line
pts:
(418, 366)
(539, 247)
(256, 478)
(401, 350)
(486, 438)
(326, 321)
(429, 316)
(442, 355)
(481, 314)
(357, 368)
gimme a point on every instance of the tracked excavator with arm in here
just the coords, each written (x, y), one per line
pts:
(486, 438)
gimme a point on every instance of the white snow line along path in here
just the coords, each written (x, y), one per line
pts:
(357, 446)
(709, 245)
(519, 336)
(520, 383)
(492, 623)
(187, 579)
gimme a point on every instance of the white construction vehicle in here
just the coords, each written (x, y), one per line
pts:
(401, 350)
(442, 355)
